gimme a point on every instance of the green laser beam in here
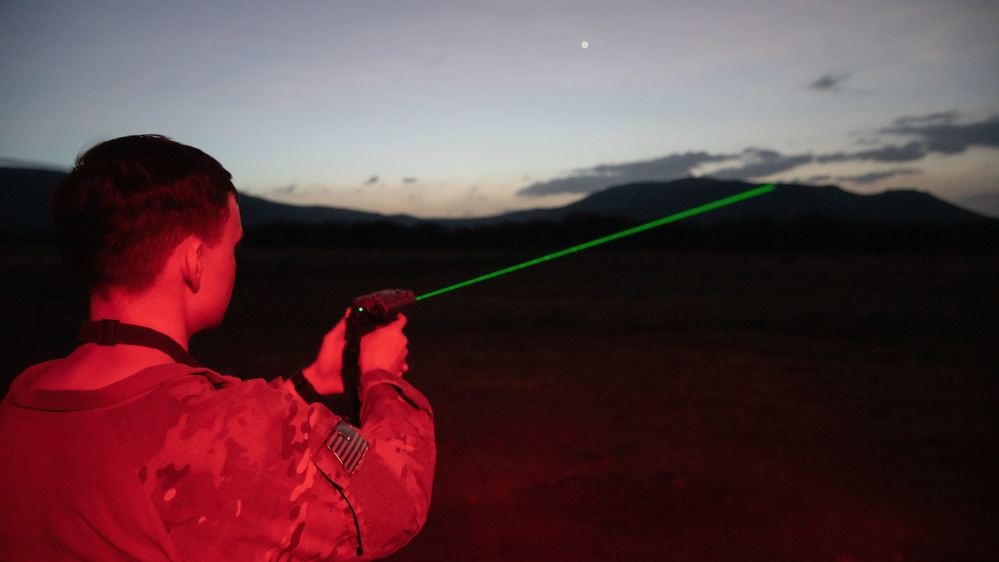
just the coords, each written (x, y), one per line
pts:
(635, 230)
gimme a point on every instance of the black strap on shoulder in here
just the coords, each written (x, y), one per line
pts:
(113, 332)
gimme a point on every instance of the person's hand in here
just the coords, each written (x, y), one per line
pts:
(325, 373)
(384, 349)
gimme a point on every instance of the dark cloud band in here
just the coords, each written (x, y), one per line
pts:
(935, 133)
(940, 132)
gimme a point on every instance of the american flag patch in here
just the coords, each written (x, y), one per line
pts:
(347, 445)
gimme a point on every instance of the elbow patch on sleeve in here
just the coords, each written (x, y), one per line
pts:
(383, 509)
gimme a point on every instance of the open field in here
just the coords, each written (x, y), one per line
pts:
(643, 405)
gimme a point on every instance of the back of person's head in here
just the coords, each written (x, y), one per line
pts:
(129, 202)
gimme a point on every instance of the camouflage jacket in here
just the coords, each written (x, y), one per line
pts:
(179, 463)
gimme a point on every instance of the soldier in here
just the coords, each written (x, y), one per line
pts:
(127, 449)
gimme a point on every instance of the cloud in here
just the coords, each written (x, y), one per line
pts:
(938, 118)
(672, 166)
(878, 176)
(751, 163)
(821, 178)
(936, 132)
(599, 177)
(759, 163)
(907, 153)
(571, 184)
(829, 82)
(942, 133)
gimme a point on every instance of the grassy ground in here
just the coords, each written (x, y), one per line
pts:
(651, 405)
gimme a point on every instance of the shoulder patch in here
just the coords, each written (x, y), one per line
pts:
(346, 443)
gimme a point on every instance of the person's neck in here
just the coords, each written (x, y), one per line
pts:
(141, 310)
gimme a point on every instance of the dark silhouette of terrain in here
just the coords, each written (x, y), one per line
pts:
(24, 199)
(643, 202)
(24, 195)
(792, 217)
(647, 201)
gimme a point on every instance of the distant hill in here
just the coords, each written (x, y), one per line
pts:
(254, 211)
(24, 199)
(644, 202)
(24, 196)
(651, 200)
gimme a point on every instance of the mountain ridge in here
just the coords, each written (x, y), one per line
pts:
(24, 195)
(648, 201)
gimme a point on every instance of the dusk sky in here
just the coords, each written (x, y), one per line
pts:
(438, 108)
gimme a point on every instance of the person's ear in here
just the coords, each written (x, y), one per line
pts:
(191, 264)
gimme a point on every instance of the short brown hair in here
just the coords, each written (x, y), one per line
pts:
(128, 202)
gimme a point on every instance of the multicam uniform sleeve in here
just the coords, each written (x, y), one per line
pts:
(251, 472)
(389, 483)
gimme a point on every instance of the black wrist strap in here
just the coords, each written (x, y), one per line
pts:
(340, 404)
(113, 332)
(305, 388)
